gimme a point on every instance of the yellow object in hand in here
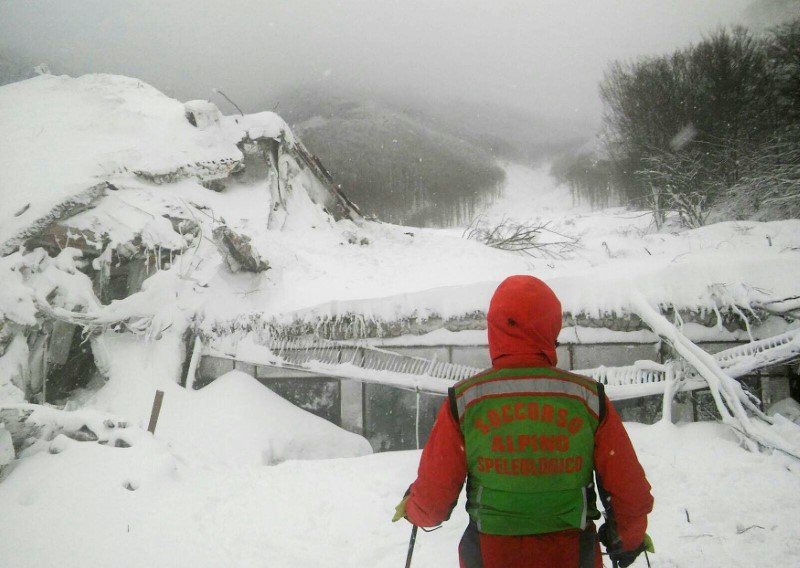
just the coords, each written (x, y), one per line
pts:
(400, 510)
(647, 544)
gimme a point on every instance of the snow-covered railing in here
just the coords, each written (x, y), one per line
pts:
(744, 359)
(645, 378)
(371, 364)
(642, 372)
(354, 362)
(328, 353)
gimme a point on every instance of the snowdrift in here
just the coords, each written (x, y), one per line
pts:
(235, 421)
(238, 421)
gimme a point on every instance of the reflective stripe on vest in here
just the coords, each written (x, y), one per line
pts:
(496, 385)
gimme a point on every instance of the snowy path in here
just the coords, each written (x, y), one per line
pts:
(71, 510)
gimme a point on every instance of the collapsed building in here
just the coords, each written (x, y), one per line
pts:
(74, 241)
(126, 220)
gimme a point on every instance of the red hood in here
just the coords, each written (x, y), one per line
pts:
(524, 322)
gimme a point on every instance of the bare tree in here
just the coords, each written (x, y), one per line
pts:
(677, 183)
(771, 187)
(523, 237)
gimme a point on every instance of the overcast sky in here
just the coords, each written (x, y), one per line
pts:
(542, 55)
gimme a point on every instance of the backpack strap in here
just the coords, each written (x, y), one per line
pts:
(601, 396)
(451, 396)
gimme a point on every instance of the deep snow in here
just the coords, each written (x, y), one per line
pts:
(234, 421)
(234, 476)
(741, 508)
(63, 134)
(712, 267)
(104, 127)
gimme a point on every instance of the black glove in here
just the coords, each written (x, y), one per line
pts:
(623, 558)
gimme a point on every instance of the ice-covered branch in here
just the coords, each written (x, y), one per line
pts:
(731, 400)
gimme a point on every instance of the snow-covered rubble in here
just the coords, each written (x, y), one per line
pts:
(105, 179)
(62, 134)
(172, 245)
(321, 269)
(711, 270)
(234, 422)
(164, 237)
(118, 229)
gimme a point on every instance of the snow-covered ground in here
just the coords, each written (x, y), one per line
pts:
(236, 476)
(62, 134)
(716, 505)
(105, 128)
(618, 253)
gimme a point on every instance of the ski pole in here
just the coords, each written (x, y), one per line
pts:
(411, 546)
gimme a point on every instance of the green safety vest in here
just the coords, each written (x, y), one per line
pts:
(529, 440)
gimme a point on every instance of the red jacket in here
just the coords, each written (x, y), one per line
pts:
(524, 320)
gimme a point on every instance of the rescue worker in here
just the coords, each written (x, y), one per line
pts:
(527, 438)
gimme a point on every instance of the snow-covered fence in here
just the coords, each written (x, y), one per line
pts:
(736, 361)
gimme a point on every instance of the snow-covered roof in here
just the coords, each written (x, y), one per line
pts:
(715, 269)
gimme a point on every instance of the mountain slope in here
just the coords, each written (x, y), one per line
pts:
(396, 166)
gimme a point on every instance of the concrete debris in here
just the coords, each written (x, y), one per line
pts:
(15, 422)
(82, 434)
(68, 207)
(236, 250)
(7, 452)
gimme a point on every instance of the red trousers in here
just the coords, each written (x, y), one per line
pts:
(554, 550)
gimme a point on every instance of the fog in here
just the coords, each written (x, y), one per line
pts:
(541, 56)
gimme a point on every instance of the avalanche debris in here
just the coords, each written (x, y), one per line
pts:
(237, 251)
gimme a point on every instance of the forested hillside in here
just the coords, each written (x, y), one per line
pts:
(394, 166)
(711, 129)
